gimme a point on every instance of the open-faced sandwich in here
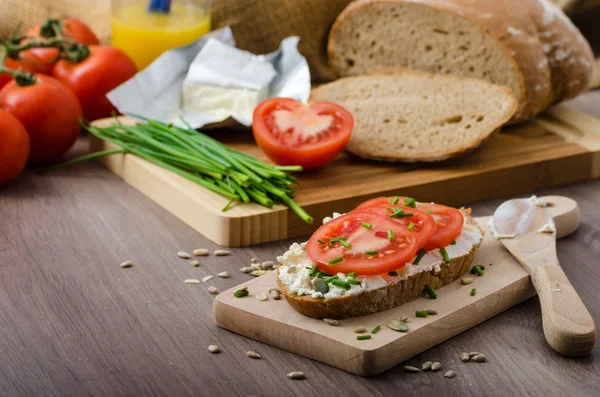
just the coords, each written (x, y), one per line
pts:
(384, 253)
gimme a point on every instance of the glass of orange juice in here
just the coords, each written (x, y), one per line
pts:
(144, 29)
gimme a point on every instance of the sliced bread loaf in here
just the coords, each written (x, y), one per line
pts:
(529, 46)
(405, 115)
(395, 293)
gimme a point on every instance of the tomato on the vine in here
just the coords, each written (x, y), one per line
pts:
(367, 243)
(27, 62)
(14, 147)
(50, 113)
(291, 133)
(91, 79)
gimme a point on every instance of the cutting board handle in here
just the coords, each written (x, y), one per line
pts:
(568, 326)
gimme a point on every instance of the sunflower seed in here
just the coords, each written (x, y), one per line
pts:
(426, 366)
(126, 264)
(449, 374)
(213, 290)
(296, 375)
(397, 325)
(466, 280)
(241, 289)
(479, 358)
(214, 349)
(473, 354)
(262, 297)
(207, 278)
(256, 266)
(254, 260)
(331, 321)
(267, 265)
(246, 269)
(436, 366)
(431, 312)
(222, 252)
(292, 270)
(192, 281)
(183, 255)
(252, 354)
(360, 330)
(410, 368)
(273, 289)
(258, 273)
(200, 252)
(404, 319)
(194, 263)
(224, 274)
(275, 294)
(464, 357)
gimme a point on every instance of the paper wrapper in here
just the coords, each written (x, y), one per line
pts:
(226, 75)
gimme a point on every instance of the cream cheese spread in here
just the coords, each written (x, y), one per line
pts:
(296, 265)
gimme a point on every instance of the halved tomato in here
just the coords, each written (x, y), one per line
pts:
(367, 243)
(448, 221)
(291, 133)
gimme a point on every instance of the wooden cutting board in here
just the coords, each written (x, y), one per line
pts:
(504, 285)
(560, 147)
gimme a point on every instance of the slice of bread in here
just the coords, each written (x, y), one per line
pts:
(410, 116)
(387, 297)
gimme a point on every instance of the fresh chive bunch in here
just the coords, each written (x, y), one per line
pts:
(203, 160)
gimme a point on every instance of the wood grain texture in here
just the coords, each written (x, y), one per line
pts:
(562, 147)
(74, 324)
(505, 284)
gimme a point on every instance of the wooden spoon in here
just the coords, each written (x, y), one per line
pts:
(529, 232)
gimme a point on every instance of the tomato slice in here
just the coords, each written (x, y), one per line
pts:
(448, 221)
(291, 133)
(394, 243)
(422, 222)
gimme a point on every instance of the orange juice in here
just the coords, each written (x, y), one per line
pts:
(145, 35)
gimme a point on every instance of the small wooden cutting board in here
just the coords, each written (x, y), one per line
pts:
(505, 284)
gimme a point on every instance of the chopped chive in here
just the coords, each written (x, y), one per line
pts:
(352, 274)
(421, 313)
(478, 270)
(337, 239)
(410, 202)
(330, 278)
(341, 284)
(367, 225)
(388, 208)
(322, 275)
(390, 200)
(313, 271)
(395, 200)
(363, 337)
(336, 260)
(430, 291)
(376, 329)
(429, 211)
(473, 291)
(482, 267)
(445, 255)
(453, 242)
(398, 213)
(345, 244)
(420, 256)
(390, 235)
(321, 242)
(353, 282)
(393, 273)
(241, 293)
(411, 226)
(373, 252)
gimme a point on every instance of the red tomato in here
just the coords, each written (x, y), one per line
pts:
(73, 29)
(291, 133)
(27, 62)
(14, 147)
(105, 69)
(50, 113)
(449, 221)
(422, 222)
(394, 249)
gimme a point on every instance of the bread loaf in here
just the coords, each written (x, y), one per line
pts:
(406, 115)
(529, 46)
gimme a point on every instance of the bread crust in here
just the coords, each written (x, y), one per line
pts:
(385, 298)
(553, 60)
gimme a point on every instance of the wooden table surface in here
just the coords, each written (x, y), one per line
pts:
(73, 323)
